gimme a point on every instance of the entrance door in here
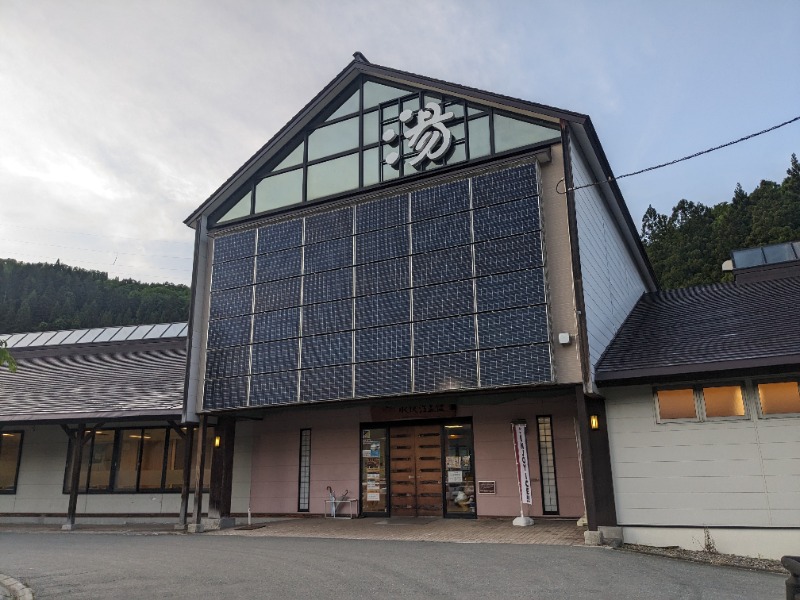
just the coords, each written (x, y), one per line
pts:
(416, 471)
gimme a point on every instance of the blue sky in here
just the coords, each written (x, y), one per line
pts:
(119, 118)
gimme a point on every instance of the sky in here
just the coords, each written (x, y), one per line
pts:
(118, 118)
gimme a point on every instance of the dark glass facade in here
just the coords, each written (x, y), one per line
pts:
(441, 288)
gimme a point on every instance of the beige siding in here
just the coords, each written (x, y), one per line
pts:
(743, 473)
(558, 269)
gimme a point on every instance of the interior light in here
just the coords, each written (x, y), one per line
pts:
(9, 434)
(453, 426)
(217, 441)
(594, 422)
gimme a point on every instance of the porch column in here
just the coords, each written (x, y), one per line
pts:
(598, 486)
(219, 498)
(75, 475)
(199, 467)
(188, 443)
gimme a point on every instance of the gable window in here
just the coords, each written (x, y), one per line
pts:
(779, 398)
(10, 451)
(364, 138)
(700, 403)
(134, 460)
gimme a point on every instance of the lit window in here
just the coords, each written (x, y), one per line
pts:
(676, 404)
(701, 403)
(779, 398)
(723, 401)
(10, 447)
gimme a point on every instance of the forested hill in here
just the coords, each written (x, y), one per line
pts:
(689, 246)
(42, 297)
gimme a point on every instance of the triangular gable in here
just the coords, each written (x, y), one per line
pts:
(357, 134)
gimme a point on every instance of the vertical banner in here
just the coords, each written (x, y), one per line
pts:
(521, 453)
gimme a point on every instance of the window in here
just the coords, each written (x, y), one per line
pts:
(700, 403)
(134, 460)
(305, 471)
(10, 451)
(547, 466)
(779, 398)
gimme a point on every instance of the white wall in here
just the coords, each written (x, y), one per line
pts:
(723, 473)
(41, 478)
(611, 282)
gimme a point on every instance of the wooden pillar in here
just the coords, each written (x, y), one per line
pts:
(219, 498)
(598, 485)
(188, 443)
(199, 468)
(75, 474)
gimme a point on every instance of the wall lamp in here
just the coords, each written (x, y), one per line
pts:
(594, 422)
(216, 441)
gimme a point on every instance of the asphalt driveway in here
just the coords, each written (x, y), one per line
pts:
(114, 565)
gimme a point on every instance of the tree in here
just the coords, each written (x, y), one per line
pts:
(6, 360)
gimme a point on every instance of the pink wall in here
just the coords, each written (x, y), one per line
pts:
(335, 455)
(494, 455)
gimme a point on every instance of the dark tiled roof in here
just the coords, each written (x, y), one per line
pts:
(706, 329)
(109, 380)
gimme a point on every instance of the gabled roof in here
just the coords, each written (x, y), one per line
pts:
(90, 381)
(360, 66)
(704, 330)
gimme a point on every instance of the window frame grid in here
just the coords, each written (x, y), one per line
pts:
(552, 452)
(700, 404)
(111, 488)
(304, 472)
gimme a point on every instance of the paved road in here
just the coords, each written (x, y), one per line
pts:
(83, 565)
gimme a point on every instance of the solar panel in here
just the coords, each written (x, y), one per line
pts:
(444, 300)
(444, 335)
(510, 290)
(384, 378)
(442, 372)
(226, 393)
(381, 214)
(234, 245)
(328, 317)
(509, 218)
(279, 265)
(502, 186)
(383, 309)
(444, 232)
(280, 355)
(440, 200)
(515, 366)
(383, 343)
(370, 290)
(280, 236)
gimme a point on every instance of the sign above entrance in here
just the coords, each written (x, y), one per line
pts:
(417, 411)
(429, 137)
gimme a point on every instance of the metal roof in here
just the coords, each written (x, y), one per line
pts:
(69, 337)
(705, 330)
(95, 385)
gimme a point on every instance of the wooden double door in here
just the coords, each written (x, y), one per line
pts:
(415, 468)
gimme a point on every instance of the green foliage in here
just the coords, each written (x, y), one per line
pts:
(689, 246)
(42, 297)
(6, 360)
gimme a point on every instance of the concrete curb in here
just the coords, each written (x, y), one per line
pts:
(17, 589)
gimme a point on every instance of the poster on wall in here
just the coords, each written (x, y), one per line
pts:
(373, 496)
(455, 477)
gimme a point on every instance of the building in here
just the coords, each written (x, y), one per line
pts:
(703, 402)
(120, 390)
(404, 270)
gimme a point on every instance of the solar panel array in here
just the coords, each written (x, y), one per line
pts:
(439, 289)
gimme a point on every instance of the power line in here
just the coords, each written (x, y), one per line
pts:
(677, 160)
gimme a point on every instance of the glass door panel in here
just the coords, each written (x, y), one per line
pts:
(373, 471)
(460, 469)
